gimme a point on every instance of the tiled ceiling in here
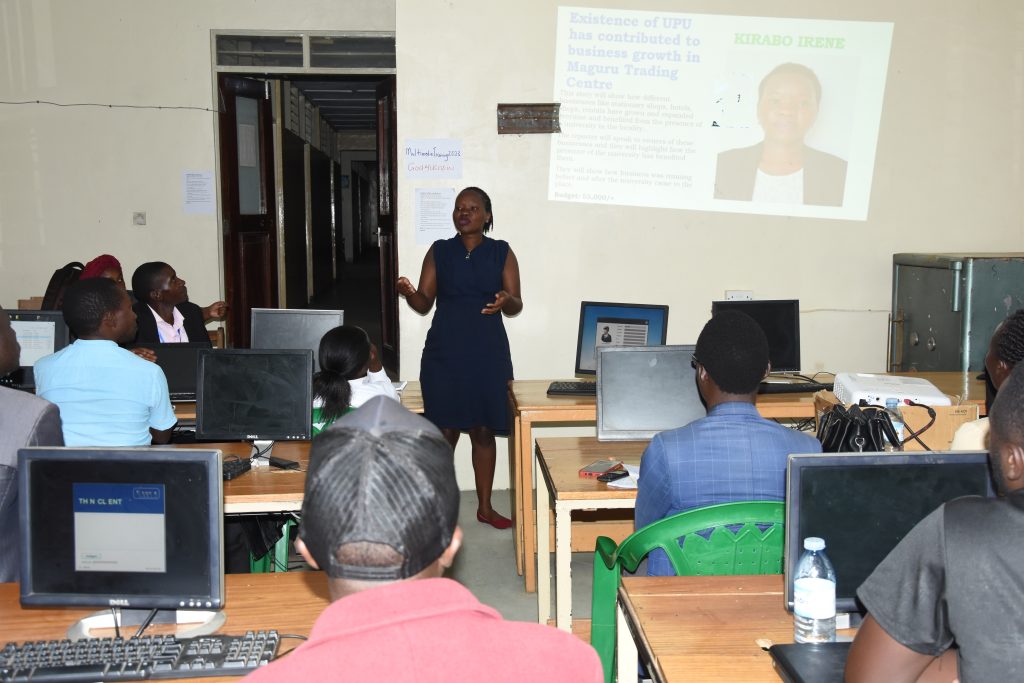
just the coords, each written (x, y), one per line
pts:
(346, 105)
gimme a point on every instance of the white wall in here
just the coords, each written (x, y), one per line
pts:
(72, 176)
(948, 177)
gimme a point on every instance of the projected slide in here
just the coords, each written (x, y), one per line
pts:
(717, 113)
(119, 528)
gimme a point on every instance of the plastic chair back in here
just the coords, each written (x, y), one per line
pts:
(718, 540)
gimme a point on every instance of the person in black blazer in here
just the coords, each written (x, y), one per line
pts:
(781, 168)
(161, 293)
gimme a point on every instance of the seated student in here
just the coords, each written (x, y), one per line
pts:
(379, 516)
(107, 396)
(957, 579)
(25, 420)
(1005, 350)
(164, 311)
(350, 375)
(731, 455)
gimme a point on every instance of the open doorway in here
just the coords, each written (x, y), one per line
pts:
(308, 177)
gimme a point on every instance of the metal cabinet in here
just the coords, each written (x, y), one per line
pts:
(946, 306)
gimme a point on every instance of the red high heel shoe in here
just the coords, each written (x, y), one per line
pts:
(499, 522)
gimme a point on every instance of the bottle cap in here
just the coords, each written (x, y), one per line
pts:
(814, 543)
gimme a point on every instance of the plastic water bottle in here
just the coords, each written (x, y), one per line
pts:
(892, 407)
(814, 595)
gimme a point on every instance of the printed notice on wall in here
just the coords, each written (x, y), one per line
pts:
(433, 158)
(197, 191)
(434, 214)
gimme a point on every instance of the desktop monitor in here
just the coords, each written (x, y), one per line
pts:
(643, 390)
(39, 334)
(254, 395)
(299, 328)
(180, 363)
(780, 320)
(863, 504)
(128, 527)
(607, 324)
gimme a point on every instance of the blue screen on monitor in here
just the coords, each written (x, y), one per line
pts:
(610, 324)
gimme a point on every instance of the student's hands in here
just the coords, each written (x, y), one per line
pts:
(405, 287)
(145, 354)
(500, 299)
(375, 363)
(215, 311)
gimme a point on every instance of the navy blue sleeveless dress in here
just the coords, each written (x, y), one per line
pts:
(466, 362)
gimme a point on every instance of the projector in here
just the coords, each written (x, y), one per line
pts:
(852, 387)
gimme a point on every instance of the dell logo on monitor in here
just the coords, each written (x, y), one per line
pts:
(118, 602)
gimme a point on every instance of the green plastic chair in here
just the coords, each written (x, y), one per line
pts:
(736, 545)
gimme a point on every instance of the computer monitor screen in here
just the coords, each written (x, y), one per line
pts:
(863, 504)
(607, 324)
(780, 320)
(180, 364)
(132, 527)
(39, 334)
(644, 390)
(254, 394)
(285, 328)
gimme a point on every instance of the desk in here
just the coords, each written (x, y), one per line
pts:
(701, 628)
(529, 404)
(559, 461)
(289, 602)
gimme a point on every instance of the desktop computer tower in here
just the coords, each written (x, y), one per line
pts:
(946, 306)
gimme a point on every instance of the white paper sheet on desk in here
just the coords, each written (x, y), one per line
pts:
(627, 482)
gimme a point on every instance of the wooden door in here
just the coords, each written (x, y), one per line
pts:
(247, 206)
(387, 152)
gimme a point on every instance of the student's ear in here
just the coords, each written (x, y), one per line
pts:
(1012, 456)
(448, 556)
(300, 546)
(767, 371)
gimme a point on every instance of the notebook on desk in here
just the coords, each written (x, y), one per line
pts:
(810, 662)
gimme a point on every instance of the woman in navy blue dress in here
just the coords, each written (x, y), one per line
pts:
(466, 362)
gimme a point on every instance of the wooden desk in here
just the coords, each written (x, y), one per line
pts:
(559, 461)
(529, 404)
(289, 602)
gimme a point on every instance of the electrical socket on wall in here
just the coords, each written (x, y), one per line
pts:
(138, 218)
(739, 294)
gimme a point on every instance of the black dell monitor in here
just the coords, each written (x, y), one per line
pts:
(136, 528)
(259, 395)
(780, 320)
(863, 504)
(293, 328)
(609, 324)
(39, 334)
(643, 390)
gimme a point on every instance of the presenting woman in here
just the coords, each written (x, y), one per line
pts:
(466, 362)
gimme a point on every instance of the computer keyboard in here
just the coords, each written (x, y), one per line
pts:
(572, 389)
(792, 387)
(136, 659)
(233, 468)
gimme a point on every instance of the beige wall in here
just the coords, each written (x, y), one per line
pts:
(71, 177)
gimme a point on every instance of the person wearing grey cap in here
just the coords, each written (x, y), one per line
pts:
(380, 517)
(732, 454)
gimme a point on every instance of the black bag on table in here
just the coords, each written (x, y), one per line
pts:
(856, 429)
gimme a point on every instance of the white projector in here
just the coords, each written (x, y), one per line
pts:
(851, 387)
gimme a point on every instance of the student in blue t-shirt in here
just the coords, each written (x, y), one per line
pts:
(107, 396)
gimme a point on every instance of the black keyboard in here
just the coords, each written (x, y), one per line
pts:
(792, 387)
(233, 468)
(572, 389)
(136, 659)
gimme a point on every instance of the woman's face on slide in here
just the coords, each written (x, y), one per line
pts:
(788, 108)
(469, 215)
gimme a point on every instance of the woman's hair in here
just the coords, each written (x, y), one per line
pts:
(344, 353)
(487, 205)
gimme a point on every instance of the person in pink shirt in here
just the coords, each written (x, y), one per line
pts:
(379, 516)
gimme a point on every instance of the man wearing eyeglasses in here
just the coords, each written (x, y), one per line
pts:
(732, 454)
